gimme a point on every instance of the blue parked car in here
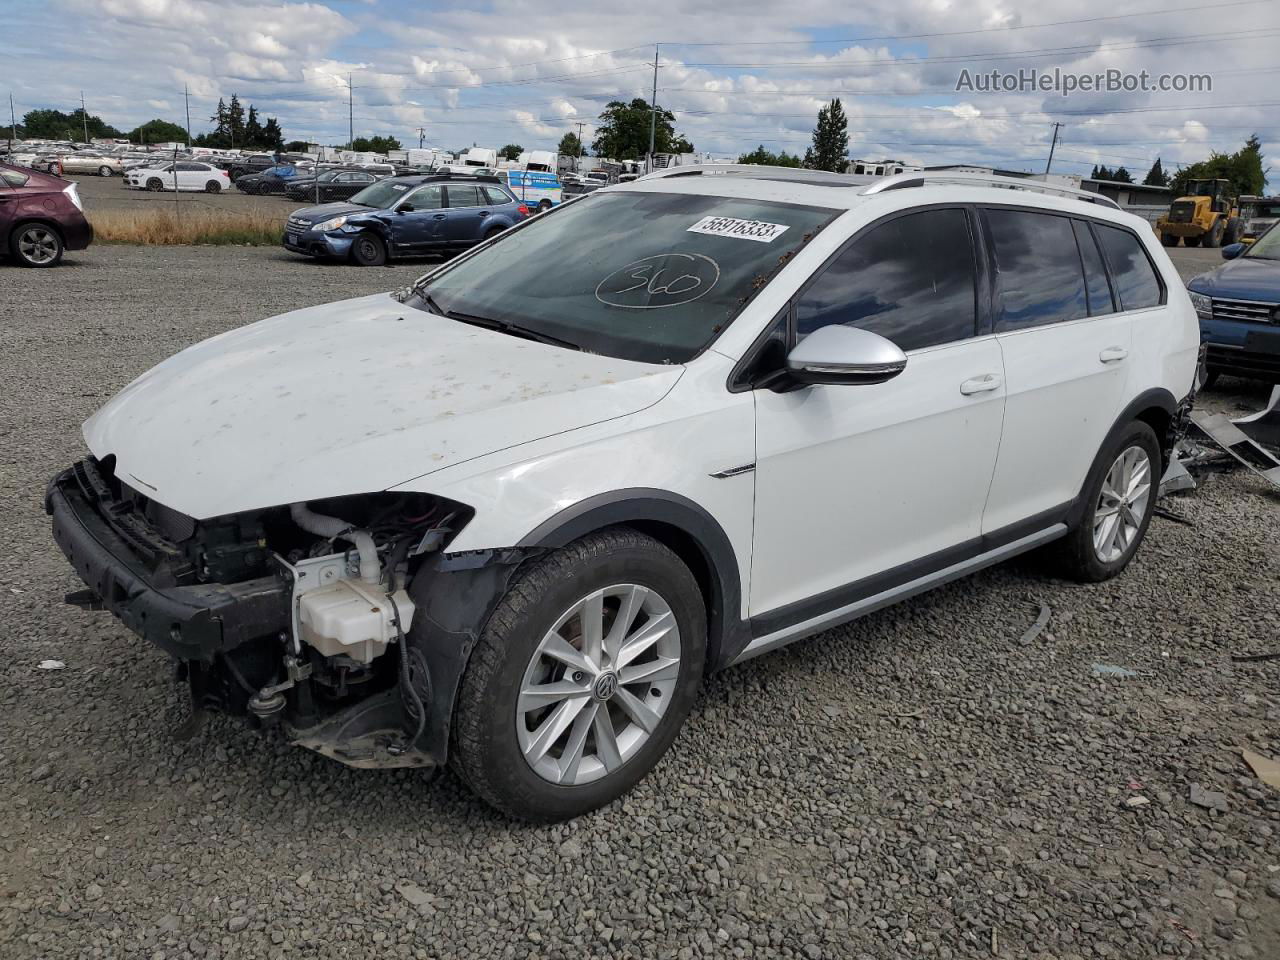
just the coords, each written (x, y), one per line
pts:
(405, 217)
(1239, 308)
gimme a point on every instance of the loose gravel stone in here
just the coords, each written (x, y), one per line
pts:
(961, 789)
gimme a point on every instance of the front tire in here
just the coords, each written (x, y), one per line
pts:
(1168, 239)
(1119, 498)
(36, 245)
(155, 185)
(581, 678)
(368, 251)
(1193, 241)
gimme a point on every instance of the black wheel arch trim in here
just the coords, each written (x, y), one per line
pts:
(1155, 398)
(727, 632)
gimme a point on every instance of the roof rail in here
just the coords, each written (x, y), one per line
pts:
(761, 171)
(933, 178)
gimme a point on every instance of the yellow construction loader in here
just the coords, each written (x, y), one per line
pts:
(1207, 216)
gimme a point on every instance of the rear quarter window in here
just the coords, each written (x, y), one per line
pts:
(1136, 281)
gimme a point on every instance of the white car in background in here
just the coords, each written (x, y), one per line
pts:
(184, 175)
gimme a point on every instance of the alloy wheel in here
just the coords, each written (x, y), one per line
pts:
(1122, 504)
(598, 684)
(38, 245)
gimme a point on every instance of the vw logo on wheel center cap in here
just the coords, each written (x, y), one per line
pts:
(606, 686)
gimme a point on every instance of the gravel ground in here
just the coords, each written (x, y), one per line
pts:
(921, 783)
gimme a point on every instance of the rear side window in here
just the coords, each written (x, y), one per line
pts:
(910, 279)
(463, 195)
(495, 195)
(1039, 276)
(1137, 285)
(1095, 274)
(12, 178)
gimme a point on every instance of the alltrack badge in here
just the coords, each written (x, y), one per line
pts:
(663, 280)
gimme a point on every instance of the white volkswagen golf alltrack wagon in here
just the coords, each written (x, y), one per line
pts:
(509, 518)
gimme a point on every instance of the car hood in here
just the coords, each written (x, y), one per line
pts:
(1245, 278)
(327, 211)
(350, 397)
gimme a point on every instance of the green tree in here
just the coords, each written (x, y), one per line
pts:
(56, 125)
(761, 155)
(375, 144)
(235, 122)
(253, 129)
(830, 150)
(158, 131)
(1156, 177)
(570, 146)
(623, 132)
(1243, 168)
(273, 136)
(511, 151)
(1102, 172)
(1121, 175)
(295, 146)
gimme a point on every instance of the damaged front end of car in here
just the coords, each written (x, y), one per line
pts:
(328, 619)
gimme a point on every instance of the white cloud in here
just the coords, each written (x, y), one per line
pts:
(523, 71)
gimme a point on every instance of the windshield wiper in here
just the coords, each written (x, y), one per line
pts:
(430, 302)
(513, 329)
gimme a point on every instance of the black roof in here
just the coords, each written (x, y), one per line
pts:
(418, 178)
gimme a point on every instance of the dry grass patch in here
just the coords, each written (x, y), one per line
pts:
(167, 228)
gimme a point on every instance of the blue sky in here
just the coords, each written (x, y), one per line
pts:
(736, 75)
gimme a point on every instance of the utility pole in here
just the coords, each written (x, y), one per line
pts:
(422, 137)
(581, 149)
(187, 97)
(653, 116)
(351, 121)
(13, 125)
(1056, 125)
(84, 117)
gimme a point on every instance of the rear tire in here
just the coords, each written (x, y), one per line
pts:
(1214, 237)
(367, 250)
(105, 171)
(1193, 241)
(1168, 239)
(493, 232)
(213, 186)
(544, 206)
(502, 746)
(1119, 496)
(1235, 230)
(36, 245)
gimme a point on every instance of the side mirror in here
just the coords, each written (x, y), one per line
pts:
(1232, 250)
(839, 354)
(405, 208)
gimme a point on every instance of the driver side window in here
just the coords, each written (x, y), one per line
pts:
(426, 198)
(910, 279)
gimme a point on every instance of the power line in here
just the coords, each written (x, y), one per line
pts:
(960, 33)
(983, 57)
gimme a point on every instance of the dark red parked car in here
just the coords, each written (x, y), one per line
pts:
(40, 216)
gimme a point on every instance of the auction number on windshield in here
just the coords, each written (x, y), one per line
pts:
(664, 280)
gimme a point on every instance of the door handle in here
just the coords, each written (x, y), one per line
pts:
(439, 216)
(983, 384)
(1113, 354)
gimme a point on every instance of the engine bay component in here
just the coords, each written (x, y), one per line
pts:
(352, 619)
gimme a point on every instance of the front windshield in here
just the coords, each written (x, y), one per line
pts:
(644, 276)
(382, 195)
(1267, 246)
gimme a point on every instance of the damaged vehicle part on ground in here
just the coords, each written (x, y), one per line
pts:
(508, 518)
